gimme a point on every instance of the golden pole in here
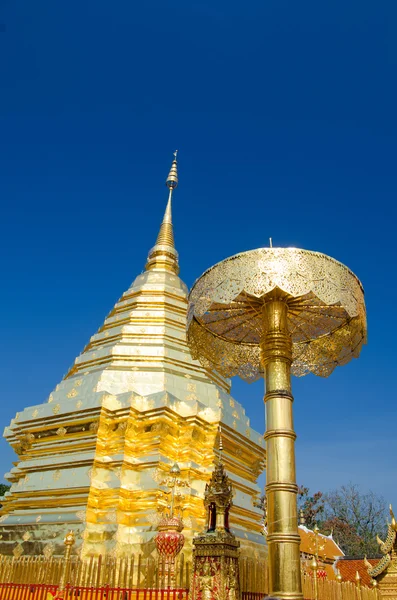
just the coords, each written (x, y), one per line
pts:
(314, 567)
(306, 312)
(281, 489)
(68, 541)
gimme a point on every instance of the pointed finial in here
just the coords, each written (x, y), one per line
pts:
(172, 179)
(393, 520)
(163, 255)
(175, 470)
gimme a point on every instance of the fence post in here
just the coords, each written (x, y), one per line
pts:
(68, 541)
(358, 584)
(374, 584)
(314, 567)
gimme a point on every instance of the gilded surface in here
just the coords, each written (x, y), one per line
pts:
(132, 404)
(216, 550)
(326, 311)
(272, 312)
(387, 566)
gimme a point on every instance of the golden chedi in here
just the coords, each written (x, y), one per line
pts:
(94, 457)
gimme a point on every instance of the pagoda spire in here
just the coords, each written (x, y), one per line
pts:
(163, 256)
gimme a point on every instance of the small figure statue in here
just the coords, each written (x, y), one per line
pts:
(206, 582)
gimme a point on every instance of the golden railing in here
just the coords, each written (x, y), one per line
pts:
(253, 575)
(139, 573)
(131, 572)
(333, 590)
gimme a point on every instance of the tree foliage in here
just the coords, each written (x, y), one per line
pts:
(355, 519)
(312, 507)
(3, 489)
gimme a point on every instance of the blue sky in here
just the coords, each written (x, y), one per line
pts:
(284, 115)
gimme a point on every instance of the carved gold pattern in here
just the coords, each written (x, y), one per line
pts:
(56, 409)
(57, 475)
(48, 550)
(72, 394)
(18, 550)
(61, 431)
(380, 566)
(326, 311)
(388, 548)
(215, 555)
(26, 536)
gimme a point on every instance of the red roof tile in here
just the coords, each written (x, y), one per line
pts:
(349, 567)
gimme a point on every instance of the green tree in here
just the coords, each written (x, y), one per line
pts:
(3, 489)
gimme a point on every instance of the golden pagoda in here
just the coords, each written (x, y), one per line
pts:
(96, 456)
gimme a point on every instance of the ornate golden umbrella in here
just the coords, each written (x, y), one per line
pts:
(272, 312)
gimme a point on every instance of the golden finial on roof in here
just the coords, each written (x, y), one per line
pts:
(393, 520)
(163, 255)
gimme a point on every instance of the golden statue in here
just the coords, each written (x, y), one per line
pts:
(206, 581)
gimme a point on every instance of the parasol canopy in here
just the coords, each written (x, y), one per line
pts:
(326, 311)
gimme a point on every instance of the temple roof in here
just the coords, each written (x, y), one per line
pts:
(328, 549)
(348, 568)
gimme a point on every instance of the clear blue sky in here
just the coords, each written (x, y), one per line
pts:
(284, 114)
